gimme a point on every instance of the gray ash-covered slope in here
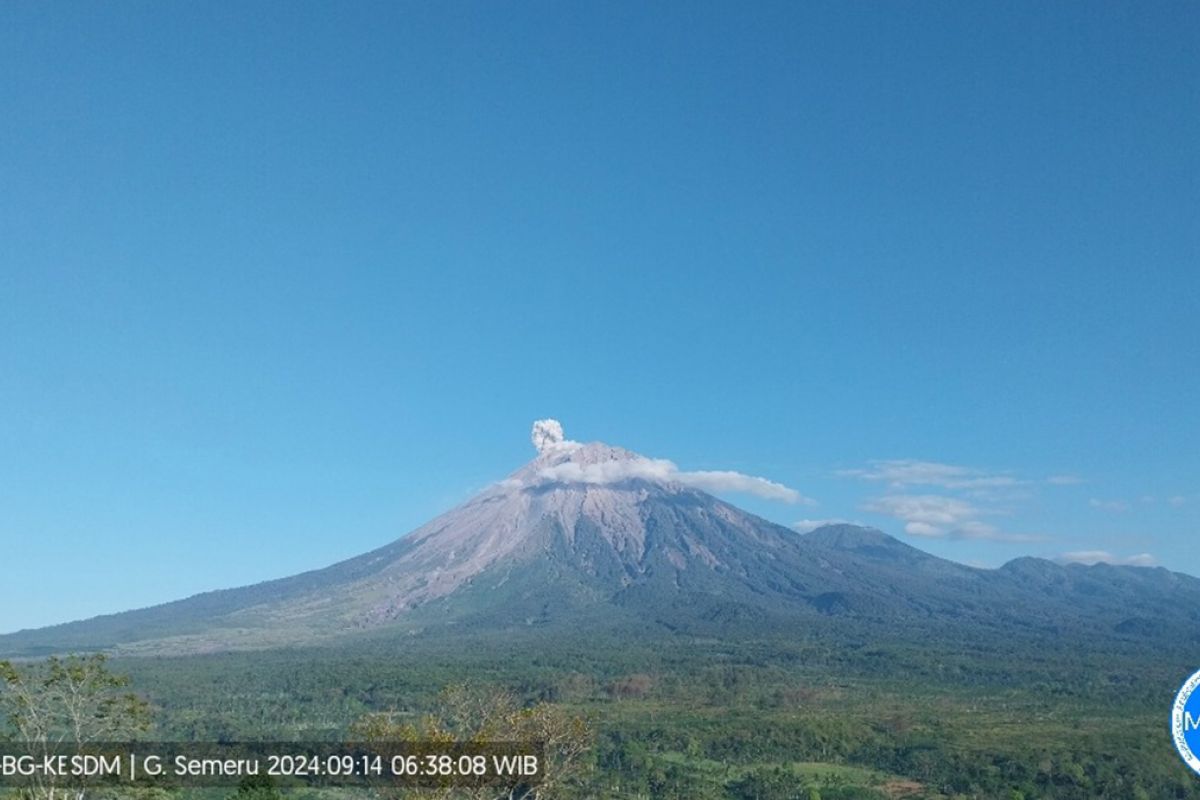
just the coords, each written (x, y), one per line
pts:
(595, 534)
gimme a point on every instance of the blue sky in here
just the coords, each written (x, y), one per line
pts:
(279, 282)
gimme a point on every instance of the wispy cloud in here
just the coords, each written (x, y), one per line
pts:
(729, 481)
(941, 517)
(1115, 506)
(936, 499)
(809, 525)
(901, 473)
(660, 469)
(1103, 556)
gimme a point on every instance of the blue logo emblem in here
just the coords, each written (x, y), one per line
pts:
(1185, 722)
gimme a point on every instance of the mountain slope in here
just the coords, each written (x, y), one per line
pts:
(587, 532)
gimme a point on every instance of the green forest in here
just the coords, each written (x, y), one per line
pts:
(748, 717)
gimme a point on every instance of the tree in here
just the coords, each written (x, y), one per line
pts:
(764, 783)
(477, 715)
(257, 787)
(68, 703)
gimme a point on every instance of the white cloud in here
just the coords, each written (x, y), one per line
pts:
(933, 514)
(605, 472)
(1064, 480)
(1115, 506)
(728, 481)
(1103, 556)
(938, 516)
(1178, 501)
(662, 470)
(900, 473)
(809, 525)
(924, 529)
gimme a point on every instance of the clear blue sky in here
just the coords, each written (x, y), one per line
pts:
(280, 281)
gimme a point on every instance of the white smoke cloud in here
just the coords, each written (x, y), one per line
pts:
(661, 470)
(664, 471)
(606, 472)
(548, 435)
(1103, 556)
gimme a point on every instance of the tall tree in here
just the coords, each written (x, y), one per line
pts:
(68, 703)
(479, 715)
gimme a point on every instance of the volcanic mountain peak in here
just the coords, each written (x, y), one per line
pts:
(566, 488)
(591, 531)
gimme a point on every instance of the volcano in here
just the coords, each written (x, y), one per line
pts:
(591, 533)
